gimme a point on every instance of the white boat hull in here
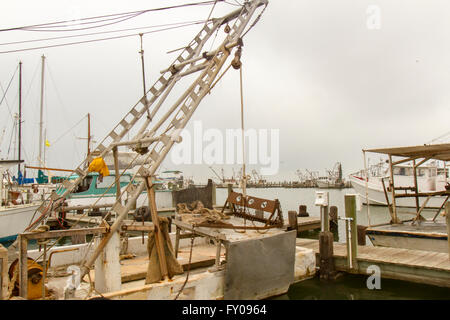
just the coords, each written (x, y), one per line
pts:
(376, 195)
(163, 200)
(15, 219)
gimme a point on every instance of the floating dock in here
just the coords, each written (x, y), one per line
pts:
(426, 267)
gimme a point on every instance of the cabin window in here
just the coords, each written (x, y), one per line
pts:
(107, 182)
(433, 172)
(125, 179)
(111, 180)
(84, 185)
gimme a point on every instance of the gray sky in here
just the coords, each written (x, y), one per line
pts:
(312, 69)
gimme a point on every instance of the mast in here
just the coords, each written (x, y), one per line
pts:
(41, 142)
(20, 117)
(89, 135)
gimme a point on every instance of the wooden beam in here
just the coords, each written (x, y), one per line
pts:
(416, 188)
(158, 234)
(394, 205)
(206, 232)
(116, 169)
(447, 218)
(406, 160)
(23, 266)
(350, 212)
(51, 169)
(62, 233)
(138, 227)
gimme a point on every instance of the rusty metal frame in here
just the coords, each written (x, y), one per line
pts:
(239, 204)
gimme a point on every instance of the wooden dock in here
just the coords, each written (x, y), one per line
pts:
(425, 267)
(308, 223)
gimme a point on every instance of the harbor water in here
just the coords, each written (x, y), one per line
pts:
(291, 198)
(346, 287)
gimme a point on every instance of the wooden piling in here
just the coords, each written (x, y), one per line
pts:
(213, 195)
(334, 219)
(326, 263)
(302, 211)
(3, 273)
(293, 223)
(447, 218)
(325, 218)
(362, 235)
(352, 238)
(23, 267)
(334, 214)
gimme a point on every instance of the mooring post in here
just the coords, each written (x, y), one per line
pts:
(303, 211)
(325, 218)
(3, 273)
(447, 218)
(213, 194)
(333, 216)
(326, 263)
(23, 266)
(352, 232)
(326, 251)
(107, 266)
(293, 222)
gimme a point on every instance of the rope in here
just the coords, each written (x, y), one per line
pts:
(256, 21)
(244, 178)
(189, 266)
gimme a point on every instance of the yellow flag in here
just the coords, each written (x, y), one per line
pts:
(47, 143)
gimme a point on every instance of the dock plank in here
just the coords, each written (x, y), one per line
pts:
(411, 265)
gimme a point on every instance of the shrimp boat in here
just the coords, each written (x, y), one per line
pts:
(429, 178)
(417, 233)
(15, 214)
(95, 191)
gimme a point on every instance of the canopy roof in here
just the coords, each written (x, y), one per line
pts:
(433, 151)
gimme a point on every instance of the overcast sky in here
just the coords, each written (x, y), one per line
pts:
(320, 71)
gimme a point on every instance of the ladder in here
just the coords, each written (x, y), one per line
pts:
(154, 147)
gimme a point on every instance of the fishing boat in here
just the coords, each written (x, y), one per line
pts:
(416, 233)
(429, 179)
(333, 180)
(95, 191)
(15, 214)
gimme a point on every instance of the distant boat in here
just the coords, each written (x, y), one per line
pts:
(333, 180)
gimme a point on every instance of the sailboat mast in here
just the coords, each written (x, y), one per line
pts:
(20, 117)
(89, 135)
(41, 122)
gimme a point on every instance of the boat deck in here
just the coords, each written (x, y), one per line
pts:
(402, 264)
(429, 229)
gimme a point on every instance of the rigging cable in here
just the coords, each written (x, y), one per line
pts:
(100, 32)
(7, 88)
(100, 39)
(29, 27)
(86, 28)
